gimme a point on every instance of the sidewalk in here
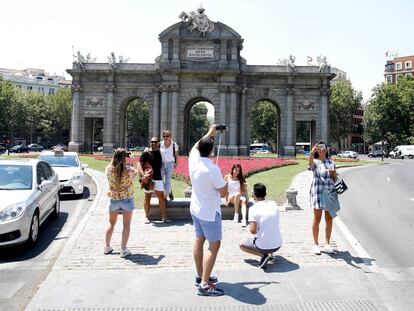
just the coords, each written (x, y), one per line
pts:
(159, 275)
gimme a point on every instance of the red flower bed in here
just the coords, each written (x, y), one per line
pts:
(249, 165)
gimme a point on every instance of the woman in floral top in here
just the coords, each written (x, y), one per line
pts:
(121, 192)
(324, 174)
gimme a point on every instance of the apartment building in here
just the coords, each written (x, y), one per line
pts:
(398, 67)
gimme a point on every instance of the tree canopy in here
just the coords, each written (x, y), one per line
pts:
(138, 118)
(198, 123)
(264, 122)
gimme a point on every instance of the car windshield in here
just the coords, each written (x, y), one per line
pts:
(15, 177)
(60, 161)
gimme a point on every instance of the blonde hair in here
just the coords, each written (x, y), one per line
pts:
(118, 162)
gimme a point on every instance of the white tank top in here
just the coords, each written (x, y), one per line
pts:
(233, 186)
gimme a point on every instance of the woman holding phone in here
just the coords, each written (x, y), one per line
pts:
(324, 175)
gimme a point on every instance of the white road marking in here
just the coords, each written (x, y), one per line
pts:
(412, 199)
(388, 179)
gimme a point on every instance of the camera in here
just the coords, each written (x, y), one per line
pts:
(221, 127)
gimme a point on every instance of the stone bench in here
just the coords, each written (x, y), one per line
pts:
(179, 208)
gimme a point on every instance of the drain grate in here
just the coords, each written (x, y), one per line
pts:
(355, 305)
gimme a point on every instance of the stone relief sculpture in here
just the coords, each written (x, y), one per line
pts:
(306, 105)
(89, 58)
(80, 59)
(112, 60)
(121, 59)
(323, 64)
(95, 101)
(199, 21)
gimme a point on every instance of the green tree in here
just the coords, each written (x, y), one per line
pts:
(390, 113)
(138, 119)
(198, 123)
(7, 98)
(264, 122)
(344, 101)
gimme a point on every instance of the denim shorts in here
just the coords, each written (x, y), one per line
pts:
(121, 205)
(211, 230)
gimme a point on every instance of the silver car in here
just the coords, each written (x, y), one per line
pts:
(29, 193)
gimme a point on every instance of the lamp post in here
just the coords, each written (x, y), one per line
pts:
(382, 150)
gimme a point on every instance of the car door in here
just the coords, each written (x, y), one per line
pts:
(44, 200)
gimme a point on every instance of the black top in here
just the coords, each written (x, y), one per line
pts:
(154, 158)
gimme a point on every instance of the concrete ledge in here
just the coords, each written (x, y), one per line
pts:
(180, 209)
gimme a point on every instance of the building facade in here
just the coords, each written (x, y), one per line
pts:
(32, 79)
(398, 67)
(200, 61)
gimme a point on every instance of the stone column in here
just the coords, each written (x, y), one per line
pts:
(156, 113)
(174, 111)
(243, 148)
(232, 148)
(163, 110)
(324, 115)
(108, 145)
(289, 148)
(75, 134)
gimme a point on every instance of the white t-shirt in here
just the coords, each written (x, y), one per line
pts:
(233, 187)
(206, 179)
(168, 153)
(266, 215)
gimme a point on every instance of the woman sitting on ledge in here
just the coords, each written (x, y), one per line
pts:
(237, 189)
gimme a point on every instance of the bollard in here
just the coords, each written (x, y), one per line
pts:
(291, 204)
(187, 192)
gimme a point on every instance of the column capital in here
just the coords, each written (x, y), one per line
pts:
(164, 88)
(110, 88)
(76, 88)
(243, 90)
(174, 88)
(223, 88)
(290, 91)
(235, 89)
(156, 89)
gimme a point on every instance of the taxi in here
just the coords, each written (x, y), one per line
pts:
(69, 169)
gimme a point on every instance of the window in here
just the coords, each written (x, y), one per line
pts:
(398, 66)
(29, 87)
(389, 78)
(399, 76)
(408, 64)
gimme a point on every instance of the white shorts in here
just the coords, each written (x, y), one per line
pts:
(159, 186)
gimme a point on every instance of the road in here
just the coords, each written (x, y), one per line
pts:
(22, 269)
(378, 209)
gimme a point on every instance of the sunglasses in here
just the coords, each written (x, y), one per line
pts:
(154, 142)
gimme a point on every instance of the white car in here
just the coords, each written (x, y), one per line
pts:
(348, 154)
(69, 169)
(29, 193)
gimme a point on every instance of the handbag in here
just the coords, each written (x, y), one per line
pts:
(329, 201)
(340, 186)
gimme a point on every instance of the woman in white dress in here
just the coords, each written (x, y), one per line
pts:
(237, 193)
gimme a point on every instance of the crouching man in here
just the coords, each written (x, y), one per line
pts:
(264, 225)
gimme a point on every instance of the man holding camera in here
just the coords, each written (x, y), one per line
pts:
(208, 186)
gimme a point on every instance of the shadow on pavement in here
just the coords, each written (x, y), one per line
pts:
(145, 260)
(245, 293)
(47, 234)
(351, 260)
(173, 223)
(279, 264)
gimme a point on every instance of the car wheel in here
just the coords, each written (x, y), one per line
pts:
(402, 158)
(56, 209)
(34, 230)
(349, 157)
(410, 156)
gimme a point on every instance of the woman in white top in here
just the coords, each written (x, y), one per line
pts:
(237, 193)
(169, 151)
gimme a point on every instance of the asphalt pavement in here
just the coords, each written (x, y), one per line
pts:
(159, 275)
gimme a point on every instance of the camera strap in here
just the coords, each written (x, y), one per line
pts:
(218, 149)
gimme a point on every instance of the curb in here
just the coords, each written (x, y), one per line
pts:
(60, 262)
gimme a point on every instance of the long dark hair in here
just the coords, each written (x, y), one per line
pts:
(119, 163)
(240, 176)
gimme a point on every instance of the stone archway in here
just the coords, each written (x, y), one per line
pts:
(198, 62)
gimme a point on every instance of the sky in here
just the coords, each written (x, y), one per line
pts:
(353, 34)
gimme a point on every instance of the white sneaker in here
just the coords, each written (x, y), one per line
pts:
(244, 223)
(125, 252)
(108, 250)
(328, 249)
(236, 217)
(316, 250)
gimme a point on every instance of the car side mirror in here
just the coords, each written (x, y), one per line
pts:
(45, 184)
(85, 166)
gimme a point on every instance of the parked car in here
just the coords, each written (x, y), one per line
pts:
(60, 147)
(377, 154)
(35, 147)
(137, 148)
(19, 148)
(403, 151)
(69, 169)
(2, 149)
(29, 193)
(348, 154)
